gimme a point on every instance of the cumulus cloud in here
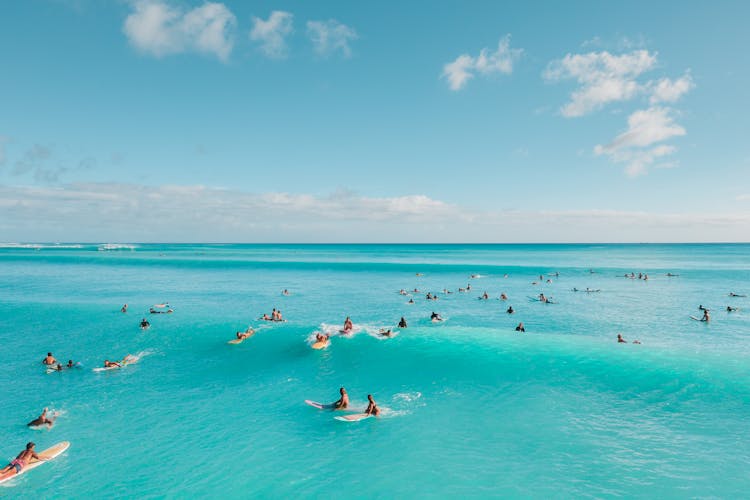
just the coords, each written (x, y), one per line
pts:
(633, 147)
(463, 68)
(158, 28)
(666, 90)
(331, 36)
(603, 78)
(117, 212)
(272, 34)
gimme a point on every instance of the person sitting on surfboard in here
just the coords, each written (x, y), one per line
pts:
(42, 420)
(348, 325)
(510, 310)
(520, 327)
(621, 340)
(435, 316)
(49, 360)
(21, 461)
(706, 316)
(343, 402)
(372, 408)
(145, 324)
(402, 323)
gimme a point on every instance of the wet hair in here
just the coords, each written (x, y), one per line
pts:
(49, 354)
(30, 445)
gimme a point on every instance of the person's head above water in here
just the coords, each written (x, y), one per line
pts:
(342, 391)
(30, 445)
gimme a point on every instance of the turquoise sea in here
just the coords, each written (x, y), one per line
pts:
(470, 406)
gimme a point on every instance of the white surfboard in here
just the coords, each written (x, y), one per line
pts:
(353, 418)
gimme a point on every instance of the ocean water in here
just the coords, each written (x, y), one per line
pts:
(470, 407)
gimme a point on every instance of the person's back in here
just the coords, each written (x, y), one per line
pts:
(49, 359)
(402, 323)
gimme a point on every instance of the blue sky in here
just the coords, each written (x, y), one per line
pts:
(389, 121)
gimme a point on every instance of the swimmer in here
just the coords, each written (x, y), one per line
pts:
(411, 301)
(70, 364)
(731, 309)
(343, 401)
(144, 324)
(468, 287)
(372, 408)
(485, 296)
(21, 461)
(402, 323)
(402, 292)
(124, 308)
(520, 327)
(672, 275)
(285, 292)
(732, 294)
(42, 420)
(49, 359)
(503, 296)
(621, 340)
(510, 310)
(542, 298)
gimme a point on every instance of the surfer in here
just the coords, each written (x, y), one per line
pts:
(485, 296)
(402, 323)
(42, 420)
(245, 334)
(542, 298)
(503, 296)
(510, 310)
(411, 301)
(343, 401)
(285, 292)
(706, 317)
(70, 364)
(49, 360)
(111, 364)
(124, 308)
(145, 324)
(520, 327)
(732, 294)
(621, 340)
(372, 408)
(319, 337)
(435, 316)
(21, 461)
(731, 309)
(385, 332)
(279, 317)
(348, 325)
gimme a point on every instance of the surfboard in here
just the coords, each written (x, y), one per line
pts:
(353, 418)
(696, 319)
(321, 345)
(45, 456)
(319, 406)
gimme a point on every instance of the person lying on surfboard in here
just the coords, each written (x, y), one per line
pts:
(111, 364)
(372, 408)
(21, 461)
(245, 334)
(343, 402)
(42, 420)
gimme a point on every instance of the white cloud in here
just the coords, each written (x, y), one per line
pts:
(634, 146)
(743, 197)
(115, 212)
(160, 29)
(462, 69)
(331, 36)
(666, 90)
(603, 78)
(272, 34)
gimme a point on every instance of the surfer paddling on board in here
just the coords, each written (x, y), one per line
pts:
(21, 461)
(111, 364)
(42, 420)
(49, 360)
(372, 408)
(343, 401)
(245, 334)
(348, 325)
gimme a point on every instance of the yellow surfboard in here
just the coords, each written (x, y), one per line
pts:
(45, 457)
(321, 345)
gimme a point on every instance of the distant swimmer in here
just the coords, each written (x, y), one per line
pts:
(672, 275)
(435, 316)
(42, 419)
(503, 296)
(49, 360)
(411, 301)
(510, 310)
(474, 276)
(706, 316)
(145, 324)
(372, 408)
(285, 292)
(402, 323)
(343, 401)
(385, 332)
(156, 311)
(420, 274)
(402, 292)
(542, 298)
(348, 325)
(485, 296)
(461, 290)
(71, 364)
(468, 287)
(416, 291)
(621, 340)
(21, 461)
(124, 308)
(732, 294)
(520, 327)
(731, 309)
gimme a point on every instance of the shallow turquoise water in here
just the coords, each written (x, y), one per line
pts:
(470, 406)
